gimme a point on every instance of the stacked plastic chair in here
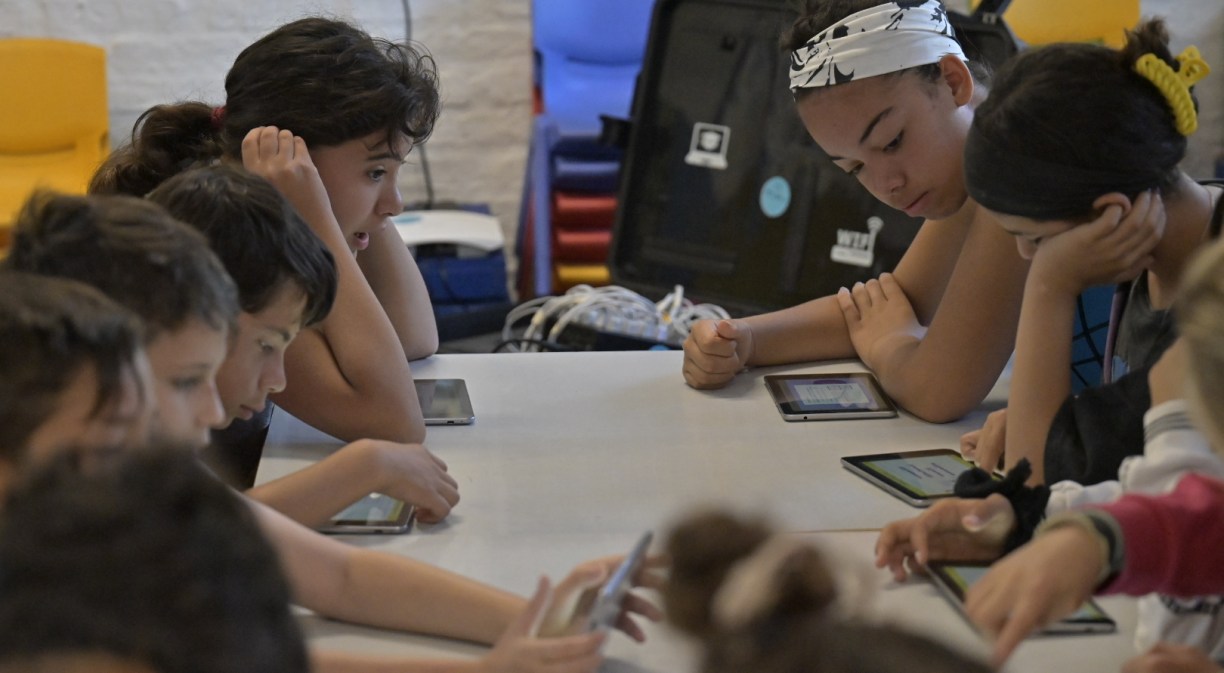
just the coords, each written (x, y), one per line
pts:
(588, 54)
(54, 121)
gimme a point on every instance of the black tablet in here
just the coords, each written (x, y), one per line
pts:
(917, 477)
(819, 397)
(955, 578)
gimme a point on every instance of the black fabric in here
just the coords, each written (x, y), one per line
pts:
(1094, 431)
(1006, 182)
(235, 452)
(1028, 502)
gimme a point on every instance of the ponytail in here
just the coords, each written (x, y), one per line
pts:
(166, 140)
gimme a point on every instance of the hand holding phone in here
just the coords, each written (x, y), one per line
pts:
(592, 598)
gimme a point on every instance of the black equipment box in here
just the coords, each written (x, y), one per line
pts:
(722, 190)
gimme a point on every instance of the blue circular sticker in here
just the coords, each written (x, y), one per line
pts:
(775, 196)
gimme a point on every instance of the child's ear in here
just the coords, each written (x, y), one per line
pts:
(1112, 199)
(957, 78)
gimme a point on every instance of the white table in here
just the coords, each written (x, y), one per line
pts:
(573, 455)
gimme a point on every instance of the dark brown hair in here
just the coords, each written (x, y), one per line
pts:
(258, 236)
(1083, 106)
(51, 330)
(130, 249)
(323, 79)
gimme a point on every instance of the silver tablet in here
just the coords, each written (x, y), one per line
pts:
(444, 401)
(821, 397)
(375, 513)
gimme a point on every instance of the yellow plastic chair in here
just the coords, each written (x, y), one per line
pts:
(53, 122)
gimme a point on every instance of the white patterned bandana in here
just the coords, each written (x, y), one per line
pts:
(876, 41)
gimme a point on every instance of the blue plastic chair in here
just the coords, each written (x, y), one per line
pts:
(588, 55)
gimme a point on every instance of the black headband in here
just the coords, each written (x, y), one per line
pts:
(1014, 184)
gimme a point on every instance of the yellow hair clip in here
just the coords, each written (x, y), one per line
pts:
(1175, 85)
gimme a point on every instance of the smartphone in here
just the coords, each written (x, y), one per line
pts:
(917, 477)
(445, 401)
(607, 606)
(375, 513)
(826, 397)
(955, 578)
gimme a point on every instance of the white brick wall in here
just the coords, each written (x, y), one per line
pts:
(164, 50)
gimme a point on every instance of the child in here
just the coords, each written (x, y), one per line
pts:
(1138, 544)
(343, 582)
(761, 601)
(73, 371)
(1076, 153)
(898, 124)
(328, 115)
(138, 255)
(146, 558)
(286, 282)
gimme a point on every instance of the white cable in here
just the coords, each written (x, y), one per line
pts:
(610, 309)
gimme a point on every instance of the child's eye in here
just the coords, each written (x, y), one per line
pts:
(377, 174)
(266, 348)
(190, 383)
(895, 144)
(855, 171)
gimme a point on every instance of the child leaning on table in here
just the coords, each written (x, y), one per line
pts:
(1138, 544)
(286, 282)
(327, 576)
(767, 602)
(328, 114)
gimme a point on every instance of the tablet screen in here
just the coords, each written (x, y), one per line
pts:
(961, 577)
(812, 396)
(832, 394)
(924, 475)
(373, 508)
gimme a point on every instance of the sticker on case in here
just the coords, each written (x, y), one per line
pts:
(857, 248)
(775, 196)
(708, 147)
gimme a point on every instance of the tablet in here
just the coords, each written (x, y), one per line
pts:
(375, 513)
(955, 578)
(820, 397)
(444, 401)
(917, 477)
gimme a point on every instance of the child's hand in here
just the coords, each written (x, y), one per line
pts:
(519, 651)
(879, 317)
(411, 473)
(1172, 658)
(1167, 378)
(1042, 581)
(715, 351)
(282, 158)
(1116, 246)
(985, 447)
(958, 529)
(576, 593)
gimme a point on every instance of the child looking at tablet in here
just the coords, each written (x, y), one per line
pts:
(286, 283)
(73, 371)
(328, 114)
(344, 582)
(898, 124)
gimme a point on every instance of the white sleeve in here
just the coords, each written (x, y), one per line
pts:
(1172, 447)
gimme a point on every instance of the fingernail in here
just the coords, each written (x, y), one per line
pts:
(973, 522)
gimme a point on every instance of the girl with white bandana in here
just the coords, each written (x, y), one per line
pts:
(886, 91)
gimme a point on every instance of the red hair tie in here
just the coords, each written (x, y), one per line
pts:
(218, 117)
